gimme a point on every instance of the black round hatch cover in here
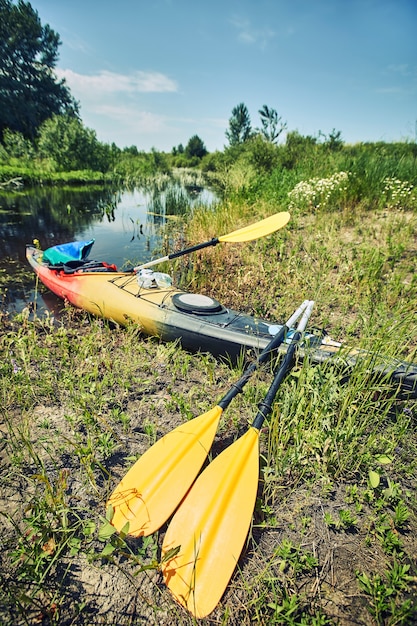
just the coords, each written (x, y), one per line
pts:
(196, 303)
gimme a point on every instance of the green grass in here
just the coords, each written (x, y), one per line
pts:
(17, 175)
(77, 392)
(334, 529)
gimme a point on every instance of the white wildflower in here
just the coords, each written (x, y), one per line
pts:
(397, 193)
(318, 192)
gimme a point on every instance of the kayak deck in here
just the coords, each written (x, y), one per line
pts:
(168, 313)
(199, 322)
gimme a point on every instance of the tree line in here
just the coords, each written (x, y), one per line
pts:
(40, 122)
(39, 117)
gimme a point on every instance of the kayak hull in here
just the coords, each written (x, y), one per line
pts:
(159, 312)
(116, 296)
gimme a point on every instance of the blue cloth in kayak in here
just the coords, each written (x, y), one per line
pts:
(73, 251)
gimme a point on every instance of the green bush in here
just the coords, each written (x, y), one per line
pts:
(67, 145)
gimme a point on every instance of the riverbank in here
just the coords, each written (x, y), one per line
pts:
(334, 532)
(15, 177)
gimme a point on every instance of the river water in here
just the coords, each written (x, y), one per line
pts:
(126, 225)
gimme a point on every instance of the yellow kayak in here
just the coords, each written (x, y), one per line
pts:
(201, 323)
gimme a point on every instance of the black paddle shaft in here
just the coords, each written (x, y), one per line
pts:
(265, 406)
(199, 246)
(269, 350)
(272, 346)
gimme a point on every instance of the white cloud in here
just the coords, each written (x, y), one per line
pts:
(401, 69)
(216, 122)
(110, 82)
(137, 121)
(403, 79)
(250, 35)
(389, 90)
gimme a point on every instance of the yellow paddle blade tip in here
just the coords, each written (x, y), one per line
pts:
(260, 229)
(154, 486)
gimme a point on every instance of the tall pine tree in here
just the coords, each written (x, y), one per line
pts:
(240, 128)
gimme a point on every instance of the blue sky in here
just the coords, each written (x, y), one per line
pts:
(153, 73)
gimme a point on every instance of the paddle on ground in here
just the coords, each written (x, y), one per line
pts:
(208, 531)
(155, 485)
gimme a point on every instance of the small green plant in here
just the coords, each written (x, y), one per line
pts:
(293, 560)
(178, 402)
(346, 520)
(116, 545)
(150, 430)
(105, 444)
(122, 417)
(352, 494)
(401, 515)
(355, 496)
(268, 514)
(291, 609)
(388, 535)
(385, 603)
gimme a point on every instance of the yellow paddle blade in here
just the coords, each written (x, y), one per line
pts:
(210, 527)
(155, 485)
(260, 229)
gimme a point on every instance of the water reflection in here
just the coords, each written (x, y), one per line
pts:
(126, 226)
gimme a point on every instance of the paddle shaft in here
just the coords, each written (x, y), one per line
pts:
(264, 356)
(266, 405)
(247, 233)
(175, 255)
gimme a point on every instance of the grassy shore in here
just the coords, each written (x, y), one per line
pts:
(17, 176)
(333, 539)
